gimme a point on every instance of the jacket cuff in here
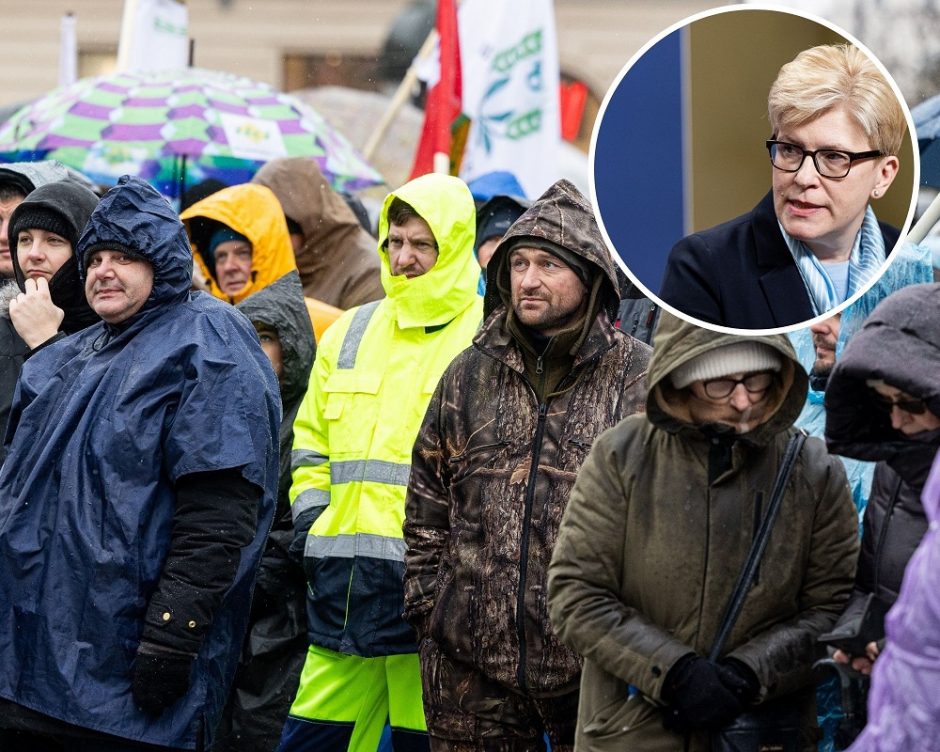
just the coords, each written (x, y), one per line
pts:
(177, 617)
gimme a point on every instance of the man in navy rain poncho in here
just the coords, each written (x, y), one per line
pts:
(135, 497)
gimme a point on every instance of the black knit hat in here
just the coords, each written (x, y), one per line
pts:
(41, 218)
(112, 245)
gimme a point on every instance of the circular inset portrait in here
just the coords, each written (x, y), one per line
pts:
(753, 169)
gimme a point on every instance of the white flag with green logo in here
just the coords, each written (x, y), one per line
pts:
(509, 64)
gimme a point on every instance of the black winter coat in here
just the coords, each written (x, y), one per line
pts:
(900, 345)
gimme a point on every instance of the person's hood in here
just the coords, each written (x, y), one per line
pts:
(677, 342)
(450, 286)
(324, 216)
(496, 215)
(281, 307)
(496, 183)
(74, 203)
(899, 343)
(32, 175)
(563, 216)
(253, 211)
(133, 216)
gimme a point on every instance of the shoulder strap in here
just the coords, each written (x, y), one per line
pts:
(739, 593)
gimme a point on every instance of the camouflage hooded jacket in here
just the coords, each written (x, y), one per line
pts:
(492, 469)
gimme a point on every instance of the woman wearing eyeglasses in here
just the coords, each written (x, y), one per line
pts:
(814, 240)
(883, 403)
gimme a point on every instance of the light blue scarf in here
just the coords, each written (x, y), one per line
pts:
(867, 257)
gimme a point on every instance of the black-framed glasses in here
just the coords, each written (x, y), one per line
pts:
(830, 163)
(754, 383)
(912, 406)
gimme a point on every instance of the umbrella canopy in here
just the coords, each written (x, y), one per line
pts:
(926, 117)
(174, 127)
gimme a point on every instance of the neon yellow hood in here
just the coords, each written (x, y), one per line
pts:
(450, 286)
(254, 211)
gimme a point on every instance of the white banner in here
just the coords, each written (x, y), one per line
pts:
(154, 36)
(509, 64)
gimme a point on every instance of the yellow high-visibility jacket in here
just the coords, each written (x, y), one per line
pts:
(374, 375)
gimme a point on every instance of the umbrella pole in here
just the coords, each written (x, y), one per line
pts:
(181, 188)
(926, 222)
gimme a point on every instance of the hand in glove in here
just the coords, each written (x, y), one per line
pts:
(160, 676)
(738, 679)
(697, 697)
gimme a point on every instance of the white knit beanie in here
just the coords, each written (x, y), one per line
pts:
(738, 357)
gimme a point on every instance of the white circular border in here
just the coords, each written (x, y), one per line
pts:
(737, 9)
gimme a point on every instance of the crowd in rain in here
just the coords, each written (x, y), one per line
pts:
(279, 474)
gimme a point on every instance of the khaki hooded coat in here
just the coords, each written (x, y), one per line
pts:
(656, 532)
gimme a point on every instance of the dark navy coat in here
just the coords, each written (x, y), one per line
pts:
(741, 273)
(103, 424)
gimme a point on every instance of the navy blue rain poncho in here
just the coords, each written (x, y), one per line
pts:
(106, 421)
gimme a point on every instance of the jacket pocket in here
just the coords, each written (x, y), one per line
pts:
(608, 709)
(473, 459)
(620, 717)
(350, 397)
(455, 604)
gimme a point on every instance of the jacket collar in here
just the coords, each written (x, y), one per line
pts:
(495, 340)
(778, 277)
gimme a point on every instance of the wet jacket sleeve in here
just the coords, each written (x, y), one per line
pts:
(216, 517)
(427, 527)
(310, 456)
(782, 656)
(584, 580)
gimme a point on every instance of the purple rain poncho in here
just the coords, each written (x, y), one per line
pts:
(904, 701)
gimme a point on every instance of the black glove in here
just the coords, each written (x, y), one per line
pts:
(697, 698)
(160, 676)
(739, 680)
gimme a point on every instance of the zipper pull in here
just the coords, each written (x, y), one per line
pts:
(538, 365)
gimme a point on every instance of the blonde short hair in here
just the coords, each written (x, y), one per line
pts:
(837, 75)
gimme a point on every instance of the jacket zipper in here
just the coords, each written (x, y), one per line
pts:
(527, 514)
(524, 551)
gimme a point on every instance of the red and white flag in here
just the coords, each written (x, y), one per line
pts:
(441, 72)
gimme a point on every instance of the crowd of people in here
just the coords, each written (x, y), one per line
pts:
(272, 482)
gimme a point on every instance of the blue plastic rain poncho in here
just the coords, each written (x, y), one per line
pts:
(106, 421)
(904, 701)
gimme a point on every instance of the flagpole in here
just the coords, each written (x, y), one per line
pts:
(925, 224)
(399, 99)
(128, 22)
(68, 50)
